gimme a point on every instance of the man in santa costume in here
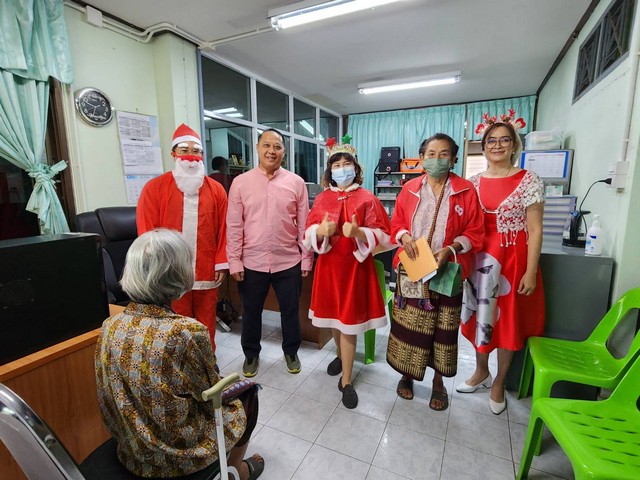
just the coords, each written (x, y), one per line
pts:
(188, 201)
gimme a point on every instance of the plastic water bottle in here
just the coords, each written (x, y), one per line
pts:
(594, 238)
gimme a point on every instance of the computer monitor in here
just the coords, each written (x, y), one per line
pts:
(553, 166)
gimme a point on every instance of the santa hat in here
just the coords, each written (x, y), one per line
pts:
(185, 134)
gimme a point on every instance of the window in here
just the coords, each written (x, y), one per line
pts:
(15, 189)
(225, 91)
(616, 32)
(273, 107)
(587, 59)
(16, 185)
(605, 47)
(237, 108)
(305, 119)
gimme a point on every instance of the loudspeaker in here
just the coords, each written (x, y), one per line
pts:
(389, 159)
(52, 288)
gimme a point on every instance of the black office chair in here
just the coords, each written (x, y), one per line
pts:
(42, 456)
(117, 229)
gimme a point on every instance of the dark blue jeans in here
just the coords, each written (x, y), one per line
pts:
(287, 285)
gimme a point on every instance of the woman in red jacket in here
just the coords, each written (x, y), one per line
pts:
(444, 208)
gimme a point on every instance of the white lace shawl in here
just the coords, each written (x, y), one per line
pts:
(511, 215)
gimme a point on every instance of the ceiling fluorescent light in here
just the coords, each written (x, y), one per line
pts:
(408, 83)
(224, 111)
(235, 115)
(307, 126)
(310, 11)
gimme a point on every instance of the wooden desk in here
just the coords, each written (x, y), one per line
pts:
(59, 384)
(316, 335)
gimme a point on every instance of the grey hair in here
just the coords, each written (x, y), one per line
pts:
(158, 268)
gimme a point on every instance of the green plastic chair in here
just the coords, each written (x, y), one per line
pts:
(387, 297)
(588, 362)
(601, 439)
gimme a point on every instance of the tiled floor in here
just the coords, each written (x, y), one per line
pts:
(305, 433)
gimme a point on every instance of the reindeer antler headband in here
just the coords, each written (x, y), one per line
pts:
(487, 121)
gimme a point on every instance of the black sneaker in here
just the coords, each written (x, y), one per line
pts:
(349, 395)
(335, 367)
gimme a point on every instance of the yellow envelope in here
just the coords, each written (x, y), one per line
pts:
(424, 266)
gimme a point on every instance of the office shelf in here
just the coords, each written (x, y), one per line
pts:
(387, 185)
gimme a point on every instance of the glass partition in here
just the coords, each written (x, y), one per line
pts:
(307, 161)
(328, 127)
(272, 108)
(231, 141)
(305, 119)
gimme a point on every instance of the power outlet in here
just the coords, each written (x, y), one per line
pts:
(618, 172)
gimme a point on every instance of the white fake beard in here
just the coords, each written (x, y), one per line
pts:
(189, 176)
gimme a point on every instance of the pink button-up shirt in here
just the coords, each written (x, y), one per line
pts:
(265, 222)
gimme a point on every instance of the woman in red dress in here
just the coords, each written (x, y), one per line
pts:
(346, 225)
(503, 298)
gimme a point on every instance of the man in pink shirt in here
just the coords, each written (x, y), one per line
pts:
(266, 216)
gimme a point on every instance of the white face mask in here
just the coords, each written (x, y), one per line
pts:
(343, 176)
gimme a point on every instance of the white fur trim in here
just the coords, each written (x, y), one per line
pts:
(310, 241)
(190, 225)
(364, 249)
(379, 322)
(206, 285)
(186, 138)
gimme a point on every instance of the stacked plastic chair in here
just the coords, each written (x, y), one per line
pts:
(601, 439)
(387, 297)
(589, 362)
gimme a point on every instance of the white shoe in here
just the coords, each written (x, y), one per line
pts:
(498, 407)
(464, 387)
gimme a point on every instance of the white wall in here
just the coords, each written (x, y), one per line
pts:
(158, 78)
(594, 127)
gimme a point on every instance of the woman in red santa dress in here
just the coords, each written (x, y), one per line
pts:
(503, 297)
(346, 225)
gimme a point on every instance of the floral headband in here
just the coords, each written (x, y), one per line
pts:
(344, 147)
(487, 121)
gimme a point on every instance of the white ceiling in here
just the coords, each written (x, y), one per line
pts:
(504, 48)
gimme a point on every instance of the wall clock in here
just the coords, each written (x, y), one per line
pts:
(93, 106)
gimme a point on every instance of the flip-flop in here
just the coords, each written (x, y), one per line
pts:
(255, 467)
(405, 385)
(442, 396)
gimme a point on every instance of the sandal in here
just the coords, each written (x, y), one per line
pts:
(255, 467)
(442, 396)
(403, 386)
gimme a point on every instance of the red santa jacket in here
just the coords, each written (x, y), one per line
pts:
(201, 218)
(466, 217)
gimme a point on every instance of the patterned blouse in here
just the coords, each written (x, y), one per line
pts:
(151, 368)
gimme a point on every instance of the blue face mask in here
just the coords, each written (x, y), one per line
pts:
(343, 176)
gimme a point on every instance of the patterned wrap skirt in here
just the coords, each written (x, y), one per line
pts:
(422, 338)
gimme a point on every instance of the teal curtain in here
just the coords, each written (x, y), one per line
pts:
(524, 107)
(405, 129)
(421, 123)
(33, 47)
(371, 132)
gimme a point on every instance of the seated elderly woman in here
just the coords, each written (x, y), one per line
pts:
(152, 366)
